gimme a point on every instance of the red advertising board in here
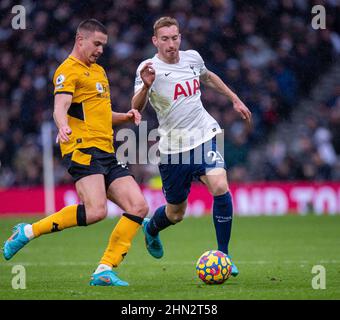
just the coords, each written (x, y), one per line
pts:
(249, 199)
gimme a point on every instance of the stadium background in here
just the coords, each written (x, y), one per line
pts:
(286, 72)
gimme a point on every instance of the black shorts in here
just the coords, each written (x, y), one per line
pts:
(87, 161)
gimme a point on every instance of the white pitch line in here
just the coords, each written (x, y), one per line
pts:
(89, 263)
(46, 264)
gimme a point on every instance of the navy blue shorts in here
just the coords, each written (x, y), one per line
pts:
(179, 170)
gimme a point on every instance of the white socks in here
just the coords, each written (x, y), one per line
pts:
(28, 231)
(102, 267)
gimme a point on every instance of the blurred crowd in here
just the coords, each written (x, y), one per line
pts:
(265, 50)
(314, 153)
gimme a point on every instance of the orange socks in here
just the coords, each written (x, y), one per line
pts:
(120, 239)
(65, 218)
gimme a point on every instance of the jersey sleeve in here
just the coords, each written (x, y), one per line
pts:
(200, 62)
(65, 80)
(138, 79)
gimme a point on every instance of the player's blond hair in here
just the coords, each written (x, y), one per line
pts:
(164, 22)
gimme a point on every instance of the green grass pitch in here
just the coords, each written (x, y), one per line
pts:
(275, 256)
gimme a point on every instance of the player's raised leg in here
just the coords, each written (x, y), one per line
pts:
(91, 190)
(176, 181)
(163, 217)
(125, 192)
(216, 181)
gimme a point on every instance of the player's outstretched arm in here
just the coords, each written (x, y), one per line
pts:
(213, 81)
(62, 103)
(140, 98)
(131, 116)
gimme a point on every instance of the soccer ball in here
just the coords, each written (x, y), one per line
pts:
(213, 267)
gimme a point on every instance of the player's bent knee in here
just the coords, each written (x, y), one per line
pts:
(144, 210)
(96, 213)
(140, 209)
(101, 213)
(219, 188)
(177, 218)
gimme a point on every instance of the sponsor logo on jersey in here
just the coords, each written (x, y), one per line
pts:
(186, 89)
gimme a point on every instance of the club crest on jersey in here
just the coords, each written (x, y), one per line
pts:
(60, 79)
(99, 87)
(189, 88)
(192, 67)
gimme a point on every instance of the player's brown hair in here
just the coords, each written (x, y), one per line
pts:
(91, 25)
(165, 22)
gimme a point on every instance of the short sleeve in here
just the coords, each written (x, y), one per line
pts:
(65, 80)
(138, 79)
(200, 62)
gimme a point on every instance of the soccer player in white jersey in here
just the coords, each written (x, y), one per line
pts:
(171, 82)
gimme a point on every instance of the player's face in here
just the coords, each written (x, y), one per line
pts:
(167, 41)
(92, 46)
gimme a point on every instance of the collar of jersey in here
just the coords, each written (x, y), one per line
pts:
(77, 60)
(159, 59)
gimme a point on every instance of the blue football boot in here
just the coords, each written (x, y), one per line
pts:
(15, 242)
(234, 270)
(107, 278)
(153, 243)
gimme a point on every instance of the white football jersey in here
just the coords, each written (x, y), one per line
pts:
(176, 97)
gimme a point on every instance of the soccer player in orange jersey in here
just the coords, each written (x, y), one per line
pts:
(84, 117)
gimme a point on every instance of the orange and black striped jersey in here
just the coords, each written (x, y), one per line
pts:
(90, 114)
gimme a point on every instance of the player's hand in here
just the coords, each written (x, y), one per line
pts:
(240, 107)
(63, 134)
(134, 116)
(148, 74)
